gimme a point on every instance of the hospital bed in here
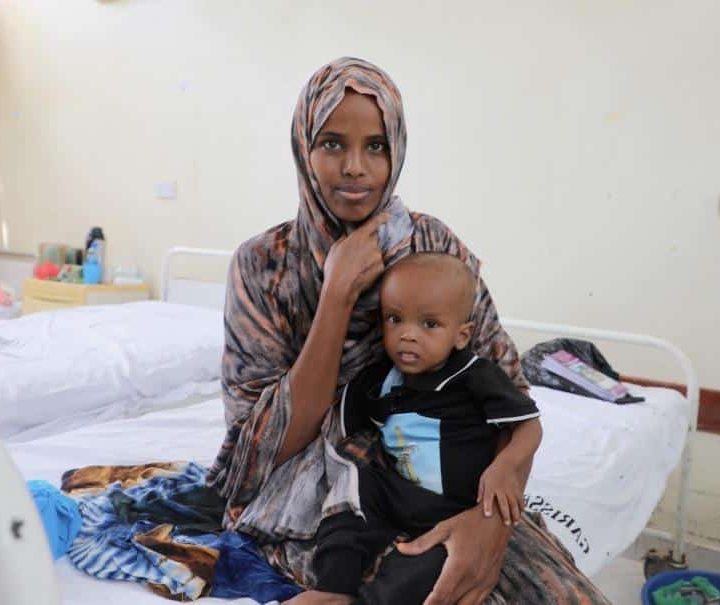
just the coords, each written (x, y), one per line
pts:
(599, 473)
(602, 468)
(67, 368)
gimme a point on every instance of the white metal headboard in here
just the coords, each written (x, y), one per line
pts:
(692, 395)
(192, 291)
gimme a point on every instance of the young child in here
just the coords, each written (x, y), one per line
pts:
(440, 410)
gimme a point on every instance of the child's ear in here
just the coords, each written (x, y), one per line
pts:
(464, 335)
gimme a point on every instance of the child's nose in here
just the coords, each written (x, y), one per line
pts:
(408, 335)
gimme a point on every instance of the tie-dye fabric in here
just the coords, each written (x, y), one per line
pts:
(158, 524)
(274, 285)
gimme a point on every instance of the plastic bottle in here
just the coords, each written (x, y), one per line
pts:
(94, 256)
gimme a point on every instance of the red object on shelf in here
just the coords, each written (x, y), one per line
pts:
(46, 270)
(5, 298)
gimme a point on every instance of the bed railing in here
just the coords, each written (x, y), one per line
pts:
(677, 554)
(171, 257)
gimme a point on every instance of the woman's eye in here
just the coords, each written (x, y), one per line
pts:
(330, 145)
(377, 147)
(430, 323)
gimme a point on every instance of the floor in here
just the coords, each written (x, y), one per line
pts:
(621, 581)
(704, 499)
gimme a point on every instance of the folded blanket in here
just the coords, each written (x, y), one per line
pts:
(158, 524)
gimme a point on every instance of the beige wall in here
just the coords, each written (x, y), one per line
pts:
(574, 145)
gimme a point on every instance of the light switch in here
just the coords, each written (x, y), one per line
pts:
(166, 190)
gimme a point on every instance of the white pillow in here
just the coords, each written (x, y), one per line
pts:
(72, 365)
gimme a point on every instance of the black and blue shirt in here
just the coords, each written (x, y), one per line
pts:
(440, 427)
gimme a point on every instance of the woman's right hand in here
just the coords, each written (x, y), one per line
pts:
(355, 261)
(476, 548)
(352, 265)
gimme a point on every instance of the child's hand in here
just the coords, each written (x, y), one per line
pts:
(499, 482)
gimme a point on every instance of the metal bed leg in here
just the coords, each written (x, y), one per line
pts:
(676, 558)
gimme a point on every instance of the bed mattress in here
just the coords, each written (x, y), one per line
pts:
(602, 468)
(598, 475)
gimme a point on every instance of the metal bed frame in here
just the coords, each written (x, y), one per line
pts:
(166, 280)
(677, 556)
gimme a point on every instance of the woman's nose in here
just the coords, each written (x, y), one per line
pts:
(353, 165)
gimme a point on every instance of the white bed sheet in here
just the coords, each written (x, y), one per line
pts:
(64, 369)
(605, 465)
(602, 468)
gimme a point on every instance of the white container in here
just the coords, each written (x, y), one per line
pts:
(10, 312)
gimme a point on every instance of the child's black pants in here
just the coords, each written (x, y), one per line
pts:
(348, 545)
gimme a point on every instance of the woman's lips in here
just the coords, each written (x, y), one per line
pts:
(353, 194)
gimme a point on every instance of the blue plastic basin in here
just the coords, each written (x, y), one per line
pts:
(669, 577)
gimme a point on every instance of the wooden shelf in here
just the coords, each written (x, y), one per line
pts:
(45, 295)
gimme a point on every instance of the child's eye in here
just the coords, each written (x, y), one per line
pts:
(330, 145)
(430, 323)
(392, 319)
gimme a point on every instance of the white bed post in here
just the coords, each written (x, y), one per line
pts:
(183, 250)
(677, 554)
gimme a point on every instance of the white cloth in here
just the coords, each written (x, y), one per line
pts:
(602, 468)
(67, 368)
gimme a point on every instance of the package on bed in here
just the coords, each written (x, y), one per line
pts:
(66, 368)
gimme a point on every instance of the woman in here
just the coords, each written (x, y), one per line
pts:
(301, 322)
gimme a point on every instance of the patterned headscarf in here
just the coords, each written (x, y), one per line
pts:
(317, 227)
(273, 293)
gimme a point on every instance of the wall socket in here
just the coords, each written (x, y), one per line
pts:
(166, 190)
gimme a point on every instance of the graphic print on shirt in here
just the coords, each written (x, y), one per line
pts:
(404, 458)
(415, 441)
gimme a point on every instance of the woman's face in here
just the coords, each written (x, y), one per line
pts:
(351, 159)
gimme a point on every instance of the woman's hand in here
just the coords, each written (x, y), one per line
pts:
(355, 261)
(476, 547)
(351, 266)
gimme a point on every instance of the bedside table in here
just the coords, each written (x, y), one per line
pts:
(44, 295)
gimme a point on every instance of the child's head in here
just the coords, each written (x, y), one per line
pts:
(426, 301)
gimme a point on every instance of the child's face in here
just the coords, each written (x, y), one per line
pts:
(422, 319)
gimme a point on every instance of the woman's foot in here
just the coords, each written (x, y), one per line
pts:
(315, 597)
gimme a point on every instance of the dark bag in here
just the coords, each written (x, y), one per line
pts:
(582, 349)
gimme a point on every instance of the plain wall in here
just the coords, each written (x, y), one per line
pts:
(574, 145)
(14, 270)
